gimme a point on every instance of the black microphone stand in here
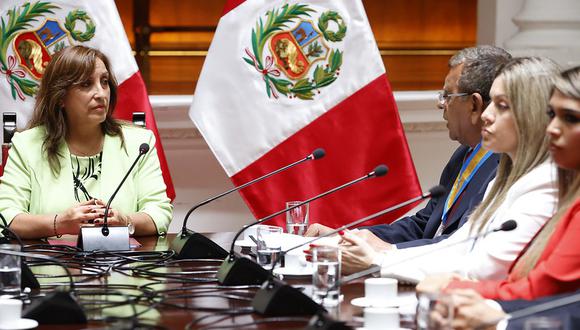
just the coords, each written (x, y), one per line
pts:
(240, 271)
(143, 149)
(114, 238)
(58, 307)
(269, 299)
(433, 192)
(508, 225)
(321, 321)
(560, 302)
(192, 245)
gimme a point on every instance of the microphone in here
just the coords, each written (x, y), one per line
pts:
(27, 278)
(379, 171)
(143, 149)
(535, 309)
(88, 240)
(270, 299)
(192, 245)
(546, 306)
(435, 191)
(508, 225)
(320, 318)
(241, 271)
(58, 307)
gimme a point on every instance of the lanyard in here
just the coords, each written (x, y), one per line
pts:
(470, 166)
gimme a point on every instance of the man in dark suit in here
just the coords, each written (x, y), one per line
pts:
(470, 169)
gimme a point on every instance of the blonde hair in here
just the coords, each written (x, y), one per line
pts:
(568, 84)
(528, 83)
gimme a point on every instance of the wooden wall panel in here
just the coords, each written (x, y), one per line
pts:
(416, 38)
(174, 74)
(408, 72)
(186, 12)
(422, 24)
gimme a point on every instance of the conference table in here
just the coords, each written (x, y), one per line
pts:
(187, 304)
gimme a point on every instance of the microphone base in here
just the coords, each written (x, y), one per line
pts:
(27, 278)
(194, 245)
(241, 271)
(92, 238)
(56, 308)
(325, 322)
(276, 298)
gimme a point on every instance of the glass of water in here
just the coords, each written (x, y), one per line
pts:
(326, 274)
(429, 304)
(9, 271)
(268, 247)
(297, 218)
(543, 323)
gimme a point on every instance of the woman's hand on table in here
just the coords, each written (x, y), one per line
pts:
(357, 254)
(436, 283)
(471, 311)
(316, 229)
(71, 220)
(373, 240)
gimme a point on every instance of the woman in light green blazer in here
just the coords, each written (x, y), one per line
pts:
(67, 164)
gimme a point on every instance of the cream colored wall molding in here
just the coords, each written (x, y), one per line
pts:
(417, 110)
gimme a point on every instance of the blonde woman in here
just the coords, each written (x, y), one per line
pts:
(524, 188)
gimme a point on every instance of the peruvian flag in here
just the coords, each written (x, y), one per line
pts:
(32, 31)
(282, 78)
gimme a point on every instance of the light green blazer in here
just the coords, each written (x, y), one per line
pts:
(28, 185)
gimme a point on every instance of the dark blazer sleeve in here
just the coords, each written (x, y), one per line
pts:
(412, 227)
(423, 241)
(569, 315)
(474, 200)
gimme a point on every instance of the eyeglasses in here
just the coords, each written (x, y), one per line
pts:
(443, 97)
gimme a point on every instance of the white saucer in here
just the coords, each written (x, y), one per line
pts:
(393, 302)
(20, 324)
(245, 243)
(305, 271)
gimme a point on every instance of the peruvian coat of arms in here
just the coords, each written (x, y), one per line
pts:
(293, 53)
(34, 39)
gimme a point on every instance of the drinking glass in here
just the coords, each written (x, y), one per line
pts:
(268, 247)
(542, 323)
(429, 304)
(9, 271)
(297, 218)
(326, 273)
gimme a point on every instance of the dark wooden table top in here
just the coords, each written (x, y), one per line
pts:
(175, 318)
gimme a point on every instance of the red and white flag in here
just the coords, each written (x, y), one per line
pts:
(32, 31)
(282, 78)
